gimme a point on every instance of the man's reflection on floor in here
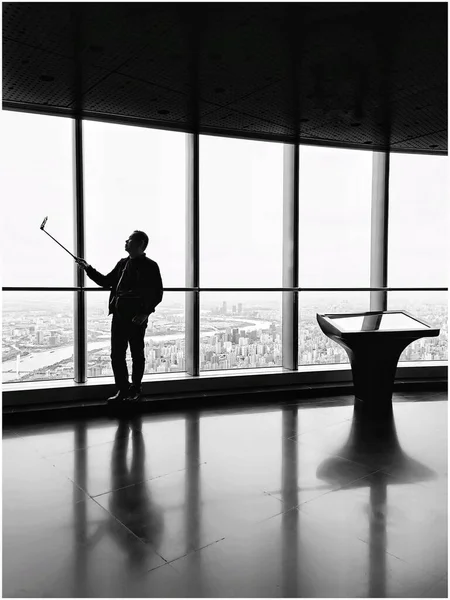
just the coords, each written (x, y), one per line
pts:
(135, 522)
(373, 443)
(130, 501)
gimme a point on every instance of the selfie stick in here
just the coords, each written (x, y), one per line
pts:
(42, 228)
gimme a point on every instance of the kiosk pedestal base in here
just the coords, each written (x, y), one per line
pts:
(373, 370)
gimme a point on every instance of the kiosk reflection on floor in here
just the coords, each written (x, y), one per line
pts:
(374, 444)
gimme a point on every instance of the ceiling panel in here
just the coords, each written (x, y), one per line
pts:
(348, 74)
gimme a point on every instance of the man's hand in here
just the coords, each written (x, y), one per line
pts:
(139, 319)
(82, 263)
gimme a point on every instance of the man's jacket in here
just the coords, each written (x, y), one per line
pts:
(135, 283)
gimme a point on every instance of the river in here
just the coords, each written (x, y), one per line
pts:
(39, 360)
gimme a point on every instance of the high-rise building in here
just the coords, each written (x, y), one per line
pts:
(240, 308)
(224, 308)
(234, 309)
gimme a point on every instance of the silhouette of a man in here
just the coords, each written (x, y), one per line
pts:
(136, 289)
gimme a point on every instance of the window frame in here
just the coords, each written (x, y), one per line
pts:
(291, 290)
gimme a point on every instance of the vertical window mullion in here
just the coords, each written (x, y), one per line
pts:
(192, 314)
(80, 337)
(379, 229)
(290, 255)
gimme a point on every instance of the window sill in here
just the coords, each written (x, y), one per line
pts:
(207, 383)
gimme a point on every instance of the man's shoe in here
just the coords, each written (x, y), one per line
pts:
(119, 397)
(134, 393)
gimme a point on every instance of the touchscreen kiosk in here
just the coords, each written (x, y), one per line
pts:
(374, 342)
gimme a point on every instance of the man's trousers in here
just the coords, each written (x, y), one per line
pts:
(124, 332)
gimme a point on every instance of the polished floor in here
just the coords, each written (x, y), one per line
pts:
(285, 500)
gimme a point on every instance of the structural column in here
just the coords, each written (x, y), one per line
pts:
(290, 255)
(379, 229)
(192, 311)
(80, 346)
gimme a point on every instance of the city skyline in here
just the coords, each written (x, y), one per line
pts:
(237, 336)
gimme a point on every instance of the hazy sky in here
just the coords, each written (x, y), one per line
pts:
(418, 221)
(135, 179)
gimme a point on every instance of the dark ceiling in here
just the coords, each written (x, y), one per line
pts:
(357, 75)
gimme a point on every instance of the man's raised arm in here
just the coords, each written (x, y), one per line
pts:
(104, 281)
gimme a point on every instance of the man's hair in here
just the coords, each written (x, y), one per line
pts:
(140, 236)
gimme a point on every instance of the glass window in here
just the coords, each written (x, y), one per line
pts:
(334, 217)
(431, 307)
(241, 213)
(240, 330)
(418, 221)
(315, 348)
(37, 181)
(164, 336)
(135, 179)
(37, 336)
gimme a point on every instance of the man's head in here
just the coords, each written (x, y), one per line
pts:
(136, 243)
